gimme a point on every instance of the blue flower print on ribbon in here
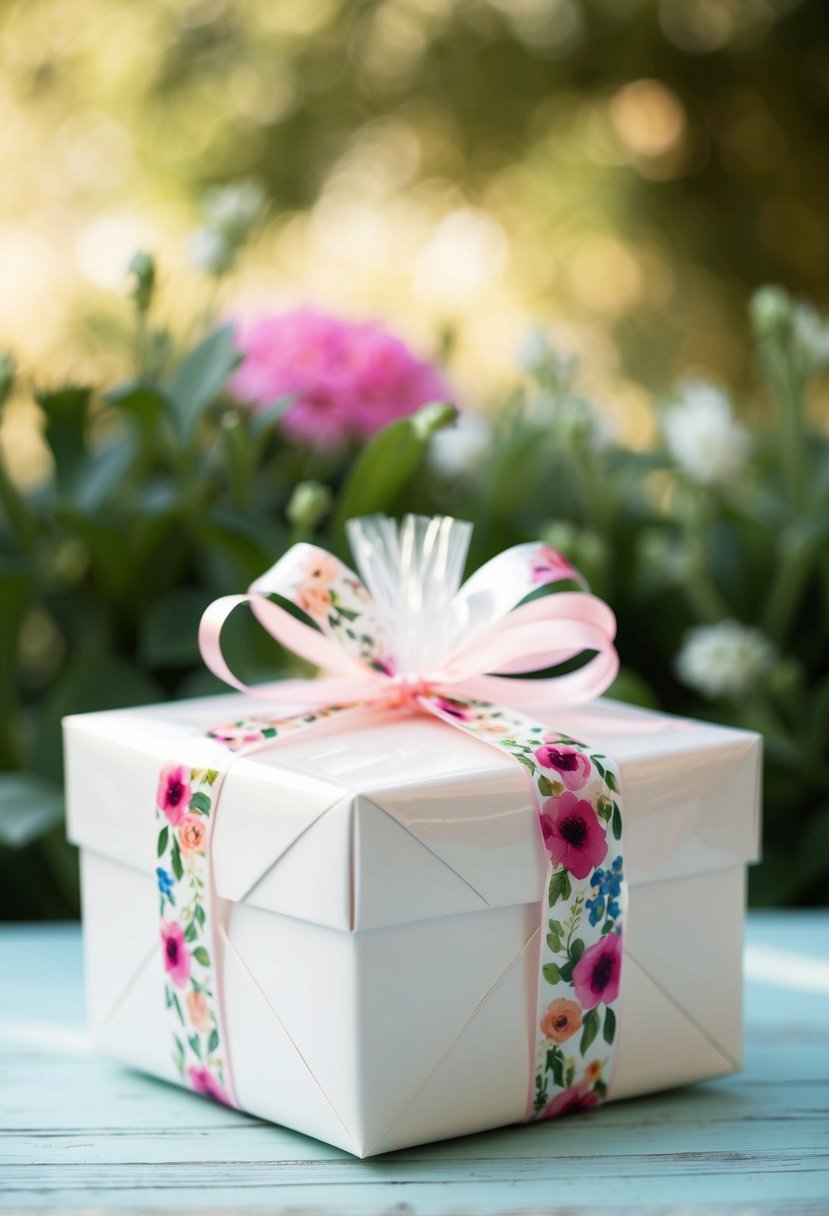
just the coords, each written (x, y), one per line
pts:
(607, 885)
(165, 883)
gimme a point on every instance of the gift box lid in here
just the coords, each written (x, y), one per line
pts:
(381, 820)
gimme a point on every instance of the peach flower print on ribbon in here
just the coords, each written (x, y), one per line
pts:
(198, 1012)
(192, 834)
(562, 1019)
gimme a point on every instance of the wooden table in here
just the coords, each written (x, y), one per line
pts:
(79, 1132)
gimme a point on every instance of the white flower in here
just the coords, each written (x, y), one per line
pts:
(460, 450)
(210, 251)
(234, 208)
(724, 660)
(811, 335)
(702, 435)
(541, 356)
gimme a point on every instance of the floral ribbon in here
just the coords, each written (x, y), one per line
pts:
(408, 635)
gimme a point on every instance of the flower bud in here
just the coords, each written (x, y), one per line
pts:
(432, 417)
(6, 377)
(771, 311)
(142, 267)
(308, 503)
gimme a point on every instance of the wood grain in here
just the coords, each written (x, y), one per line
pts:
(80, 1133)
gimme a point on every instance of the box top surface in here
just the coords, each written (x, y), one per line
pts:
(382, 820)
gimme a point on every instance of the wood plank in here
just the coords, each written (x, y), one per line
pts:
(80, 1132)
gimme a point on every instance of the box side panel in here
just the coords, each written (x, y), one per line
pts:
(681, 1011)
(291, 1007)
(123, 964)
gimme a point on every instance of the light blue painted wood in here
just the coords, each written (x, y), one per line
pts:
(82, 1133)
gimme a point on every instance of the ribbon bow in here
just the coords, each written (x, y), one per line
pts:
(408, 632)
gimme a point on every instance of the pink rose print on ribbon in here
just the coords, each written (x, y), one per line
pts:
(573, 835)
(204, 1083)
(596, 975)
(577, 1097)
(173, 795)
(176, 956)
(572, 766)
(548, 565)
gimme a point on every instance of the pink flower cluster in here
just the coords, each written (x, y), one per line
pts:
(349, 379)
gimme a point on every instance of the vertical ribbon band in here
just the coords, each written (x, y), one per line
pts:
(576, 789)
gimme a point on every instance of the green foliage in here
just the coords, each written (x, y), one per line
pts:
(166, 494)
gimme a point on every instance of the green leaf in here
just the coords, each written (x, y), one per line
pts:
(200, 802)
(559, 887)
(551, 973)
(198, 914)
(163, 837)
(566, 970)
(554, 942)
(178, 868)
(29, 808)
(604, 808)
(590, 1028)
(558, 1069)
(609, 1025)
(611, 782)
(201, 956)
(202, 376)
(191, 932)
(193, 1040)
(544, 787)
(616, 822)
(66, 412)
(576, 950)
(101, 476)
(170, 629)
(383, 468)
(600, 768)
(213, 1041)
(141, 400)
(178, 1011)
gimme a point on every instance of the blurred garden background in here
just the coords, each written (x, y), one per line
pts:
(570, 210)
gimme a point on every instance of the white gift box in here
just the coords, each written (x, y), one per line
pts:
(384, 878)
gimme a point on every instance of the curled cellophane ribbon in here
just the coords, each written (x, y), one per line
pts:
(408, 636)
